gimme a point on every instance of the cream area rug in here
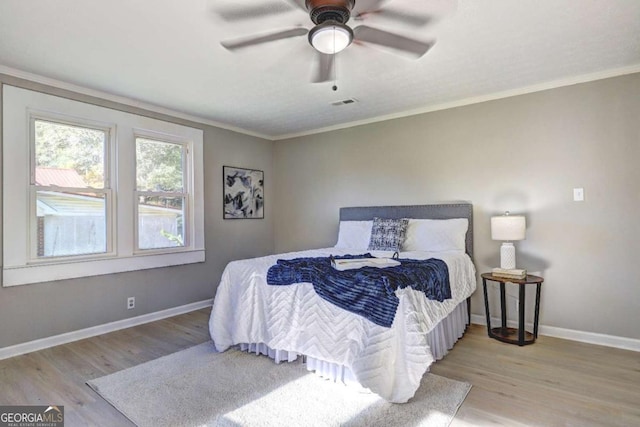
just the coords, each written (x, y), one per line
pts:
(199, 387)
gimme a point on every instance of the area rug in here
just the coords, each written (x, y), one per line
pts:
(199, 387)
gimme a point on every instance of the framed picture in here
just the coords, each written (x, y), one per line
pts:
(243, 193)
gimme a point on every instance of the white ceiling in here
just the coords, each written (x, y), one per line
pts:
(167, 53)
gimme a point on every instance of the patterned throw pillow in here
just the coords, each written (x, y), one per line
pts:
(387, 234)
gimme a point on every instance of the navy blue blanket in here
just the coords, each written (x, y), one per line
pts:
(367, 291)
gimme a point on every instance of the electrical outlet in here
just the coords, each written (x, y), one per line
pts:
(131, 303)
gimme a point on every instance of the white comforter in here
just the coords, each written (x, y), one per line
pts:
(388, 361)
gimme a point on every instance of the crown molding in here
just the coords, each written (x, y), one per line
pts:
(570, 81)
(59, 84)
(584, 78)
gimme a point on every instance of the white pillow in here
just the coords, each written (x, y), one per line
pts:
(436, 235)
(354, 235)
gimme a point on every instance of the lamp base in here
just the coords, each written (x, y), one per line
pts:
(507, 256)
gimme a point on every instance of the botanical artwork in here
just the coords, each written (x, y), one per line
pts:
(243, 193)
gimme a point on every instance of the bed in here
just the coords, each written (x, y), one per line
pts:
(286, 322)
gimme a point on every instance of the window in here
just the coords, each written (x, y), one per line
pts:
(71, 190)
(161, 194)
(90, 190)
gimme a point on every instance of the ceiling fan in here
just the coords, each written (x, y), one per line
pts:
(331, 34)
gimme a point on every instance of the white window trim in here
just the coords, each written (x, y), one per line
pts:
(188, 186)
(109, 171)
(18, 266)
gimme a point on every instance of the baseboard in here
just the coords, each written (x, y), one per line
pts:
(28, 347)
(569, 334)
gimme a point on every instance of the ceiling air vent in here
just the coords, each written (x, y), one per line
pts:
(345, 101)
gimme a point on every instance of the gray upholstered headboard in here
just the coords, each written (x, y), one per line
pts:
(435, 211)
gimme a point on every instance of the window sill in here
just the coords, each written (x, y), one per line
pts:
(23, 275)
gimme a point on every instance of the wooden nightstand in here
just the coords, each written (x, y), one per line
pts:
(511, 335)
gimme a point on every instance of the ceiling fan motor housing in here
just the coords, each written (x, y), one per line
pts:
(330, 10)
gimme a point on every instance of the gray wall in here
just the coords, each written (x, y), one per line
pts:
(36, 311)
(524, 154)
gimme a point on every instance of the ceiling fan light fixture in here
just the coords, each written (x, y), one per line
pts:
(330, 37)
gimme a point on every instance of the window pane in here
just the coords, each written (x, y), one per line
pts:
(69, 156)
(160, 222)
(159, 166)
(70, 223)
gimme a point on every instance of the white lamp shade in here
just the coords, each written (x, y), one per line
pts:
(508, 227)
(330, 39)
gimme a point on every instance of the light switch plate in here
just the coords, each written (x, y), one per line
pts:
(578, 194)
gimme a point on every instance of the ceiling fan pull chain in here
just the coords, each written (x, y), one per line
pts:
(335, 65)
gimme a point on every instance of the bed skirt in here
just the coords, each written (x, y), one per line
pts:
(441, 339)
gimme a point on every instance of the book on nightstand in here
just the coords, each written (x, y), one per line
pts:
(514, 273)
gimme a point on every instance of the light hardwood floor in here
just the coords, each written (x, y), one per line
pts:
(553, 382)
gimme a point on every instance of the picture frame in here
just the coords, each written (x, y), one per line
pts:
(243, 193)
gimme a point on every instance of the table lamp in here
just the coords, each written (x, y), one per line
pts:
(508, 228)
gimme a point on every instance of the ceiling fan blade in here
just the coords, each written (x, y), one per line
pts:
(323, 68)
(264, 38)
(396, 15)
(414, 47)
(232, 14)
